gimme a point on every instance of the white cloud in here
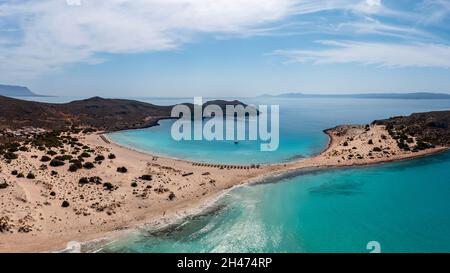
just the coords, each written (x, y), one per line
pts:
(370, 25)
(434, 11)
(51, 33)
(382, 54)
(373, 3)
(46, 35)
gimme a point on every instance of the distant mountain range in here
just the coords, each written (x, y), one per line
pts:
(16, 91)
(23, 91)
(415, 96)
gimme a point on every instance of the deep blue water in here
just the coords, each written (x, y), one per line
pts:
(405, 206)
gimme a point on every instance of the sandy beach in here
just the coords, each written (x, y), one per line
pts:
(44, 211)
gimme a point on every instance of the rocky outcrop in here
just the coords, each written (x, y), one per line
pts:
(429, 128)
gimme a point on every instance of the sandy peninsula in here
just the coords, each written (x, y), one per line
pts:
(44, 206)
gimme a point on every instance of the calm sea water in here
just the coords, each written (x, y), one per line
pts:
(405, 206)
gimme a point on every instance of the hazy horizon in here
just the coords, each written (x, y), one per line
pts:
(261, 95)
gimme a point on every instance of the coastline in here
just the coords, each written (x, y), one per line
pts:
(270, 177)
(129, 211)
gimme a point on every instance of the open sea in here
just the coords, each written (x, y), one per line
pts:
(404, 206)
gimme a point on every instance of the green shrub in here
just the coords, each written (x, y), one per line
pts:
(122, 170)
(73, 168)
(89, 130)
(10, 147)
(56, 163)
(108, 186)
(83, 181)
(377, 149)
(171, 196)
(13, 149)
(85, 155)
(45, 158)
(99, 158)
(402, 145)
(49, 139)
(64, 157)
(95, 180)
(75, 161)
(146, 177)
(65, 204)
(80, 158)
(51, 152)
(423, 145)
(88, 165)
(10, 156)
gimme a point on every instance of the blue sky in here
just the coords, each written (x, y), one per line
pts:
(120, 48)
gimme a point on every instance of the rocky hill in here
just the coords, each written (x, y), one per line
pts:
(96, 112)
(15, 91)
(431, 127)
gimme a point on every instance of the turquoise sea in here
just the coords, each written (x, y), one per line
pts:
(405, 206)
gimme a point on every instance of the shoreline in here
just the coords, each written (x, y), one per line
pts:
(204, 208)
(196, 188)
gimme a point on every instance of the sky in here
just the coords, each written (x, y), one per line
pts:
(224, 48)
